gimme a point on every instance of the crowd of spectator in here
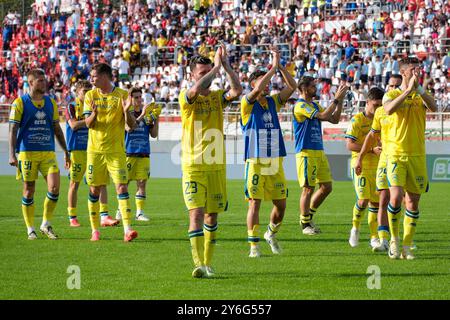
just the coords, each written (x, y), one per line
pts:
(148, 43)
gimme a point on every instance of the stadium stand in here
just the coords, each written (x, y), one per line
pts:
(148, 43)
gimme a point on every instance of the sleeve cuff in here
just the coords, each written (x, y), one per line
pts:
(313, 115)
(13, 121)
(349, 136)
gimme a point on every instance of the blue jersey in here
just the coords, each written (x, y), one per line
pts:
(76, 140)
(262, 132)
(308, 129)
(36, 132)
(137, 141)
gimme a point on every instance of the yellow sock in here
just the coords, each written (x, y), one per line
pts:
(394, 221)
(409, 227)
(253, 235)
(94, 212)
(72, 212)
(358, 214)
(210, 232)
(28, 212)
(373, 222)
(103, 208)
(305, 219)
(383, 232)
(140, 202)
(273, 228)
(49, 207)
(124, 207)
(197, 240)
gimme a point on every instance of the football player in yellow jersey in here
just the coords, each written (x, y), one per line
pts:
(203, 154)
(107, 117)
(34, 124)
(406, 163)
(380, 127)
(312, 164)
(264, 152)
(77, 135)
(364, 181)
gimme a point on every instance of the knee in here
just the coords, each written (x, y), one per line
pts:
(254, 205)
(95, 191)
(122, 188)
(281, 206)
(307, 191)
(73, 185)
(362, 203)
(29, 190)
(327, 188)
(53, 189)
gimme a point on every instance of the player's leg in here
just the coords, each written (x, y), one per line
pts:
(306, 174)
(28, 207)
(72, 199)
(216, 201)
(410, 223)
(140, 200)
(383, 223)
(324, 179)
(123, 198)
(94, 211)
(105, 219)
(76, 173)
(253, 227)
(116, 164)
(254, 193)
(27, 171)
(53, 182)
(358, 212)
(372, 221)
(396, 174)
(49, 169)
(210, 234)
(197, 240)
(276, 218)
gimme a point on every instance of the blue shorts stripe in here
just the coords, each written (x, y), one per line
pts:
(305, 171)
(246, 178)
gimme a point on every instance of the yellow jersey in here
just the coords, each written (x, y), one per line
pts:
(380, 124)
(108, 133)
(202, 141)
(406, 134)
(357, 131)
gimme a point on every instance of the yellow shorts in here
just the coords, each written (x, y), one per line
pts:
(312, 170)
(78, 159)
(100, 164)
(263, 186)
(365, 185)
(138, 168)
(382, 183)
(33, 162)
(408, 172)
(205, 189)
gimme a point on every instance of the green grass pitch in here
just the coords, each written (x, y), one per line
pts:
(158, 264)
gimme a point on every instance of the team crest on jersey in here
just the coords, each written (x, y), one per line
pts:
(267, 117)
(40, 115)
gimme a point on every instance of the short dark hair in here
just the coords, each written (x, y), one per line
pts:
(134, 90)
(408, 60)
(83, 84)
(397, 76)
(256, 74)
(33, 73)
(198, 59)
(305, 81)
(103, 68)
(375, 93)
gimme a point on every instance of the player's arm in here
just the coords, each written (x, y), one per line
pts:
(71, 119)
(205, 81)
(428, 100)
(391, 105)
(369, 145)
(15, 117)
(232, 77)
(62, 143)
(251, 96)
(130, 120)
(89, 111)
(154, 129)
(286, 93)
(333, 112)
(13, 129)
